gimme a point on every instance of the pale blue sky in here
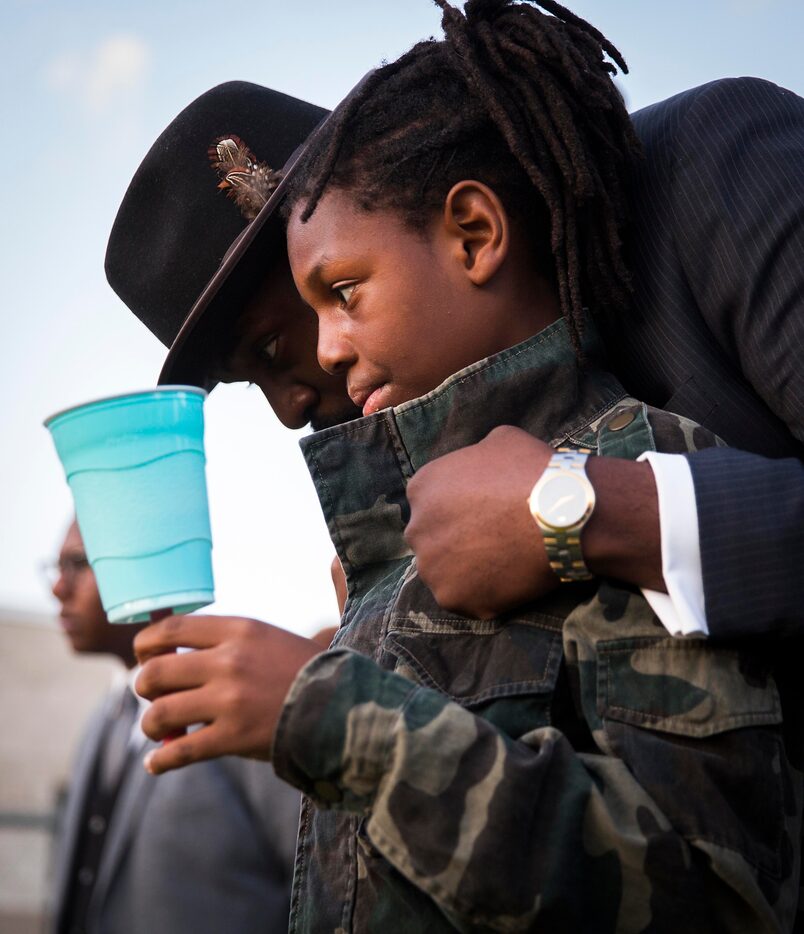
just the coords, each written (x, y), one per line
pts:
(87, 88)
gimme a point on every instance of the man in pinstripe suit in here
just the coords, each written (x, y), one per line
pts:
(715, 333)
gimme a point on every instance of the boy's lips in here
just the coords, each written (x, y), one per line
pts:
(368, 398)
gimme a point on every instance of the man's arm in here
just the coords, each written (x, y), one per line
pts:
(751, 522)
(738, 193)
(481, 554)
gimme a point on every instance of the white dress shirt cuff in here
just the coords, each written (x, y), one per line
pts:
(681, 610)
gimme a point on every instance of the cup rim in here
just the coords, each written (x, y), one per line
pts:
(196, 390)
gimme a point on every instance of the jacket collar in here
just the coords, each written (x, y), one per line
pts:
(361, 468)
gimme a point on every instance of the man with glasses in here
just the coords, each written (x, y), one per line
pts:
(207, 849)
(81, 614)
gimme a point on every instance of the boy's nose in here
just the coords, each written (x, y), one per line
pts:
(335, 351)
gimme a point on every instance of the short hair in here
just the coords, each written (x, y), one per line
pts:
(516, 98)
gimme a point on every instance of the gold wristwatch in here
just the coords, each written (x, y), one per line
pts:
(561, 503)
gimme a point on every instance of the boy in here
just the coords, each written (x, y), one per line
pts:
(565, 768)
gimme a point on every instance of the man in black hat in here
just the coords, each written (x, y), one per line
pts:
(192, 202)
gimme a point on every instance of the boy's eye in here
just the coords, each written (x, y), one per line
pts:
(344, 292)
(267, 350)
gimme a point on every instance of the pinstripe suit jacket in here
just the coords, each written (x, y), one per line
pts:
(717, 329)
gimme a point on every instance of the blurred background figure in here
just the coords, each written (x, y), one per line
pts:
(206, 849)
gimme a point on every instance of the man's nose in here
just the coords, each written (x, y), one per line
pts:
(61, 587)
(335, 351)
(294, 404)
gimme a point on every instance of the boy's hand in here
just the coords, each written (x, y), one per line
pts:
(480, 551)
(235, 684)
(339, 582)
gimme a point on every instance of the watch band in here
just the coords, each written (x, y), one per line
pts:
(563, 544)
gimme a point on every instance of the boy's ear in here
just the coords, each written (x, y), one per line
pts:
(478, 229)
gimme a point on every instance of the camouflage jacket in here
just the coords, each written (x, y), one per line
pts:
(567, 768)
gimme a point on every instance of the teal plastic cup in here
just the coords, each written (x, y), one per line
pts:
(135, 464)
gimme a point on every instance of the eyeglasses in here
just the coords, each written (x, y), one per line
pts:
(68, 567)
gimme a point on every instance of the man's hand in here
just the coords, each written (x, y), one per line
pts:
(476, 544)
(234, 684)
(480, 551)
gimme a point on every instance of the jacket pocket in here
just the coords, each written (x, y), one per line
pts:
(699, 727)
(503, 669)
(684, 686)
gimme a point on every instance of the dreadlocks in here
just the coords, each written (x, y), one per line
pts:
(517, 98)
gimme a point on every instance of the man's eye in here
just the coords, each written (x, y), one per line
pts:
(267, 351)
(344, 292)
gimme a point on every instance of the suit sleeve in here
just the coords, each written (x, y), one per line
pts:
(507, 835)
(751, 526)
(738, 182)
(274, 808)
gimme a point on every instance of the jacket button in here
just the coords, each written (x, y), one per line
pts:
(620, 421)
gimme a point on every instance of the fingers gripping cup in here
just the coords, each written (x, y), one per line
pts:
(136, 467)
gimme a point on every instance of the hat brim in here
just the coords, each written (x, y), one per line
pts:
(255, 251)
(197, 344)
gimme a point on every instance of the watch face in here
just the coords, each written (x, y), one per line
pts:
(563, 501)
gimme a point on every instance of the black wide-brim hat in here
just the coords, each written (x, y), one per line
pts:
(175, 227)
